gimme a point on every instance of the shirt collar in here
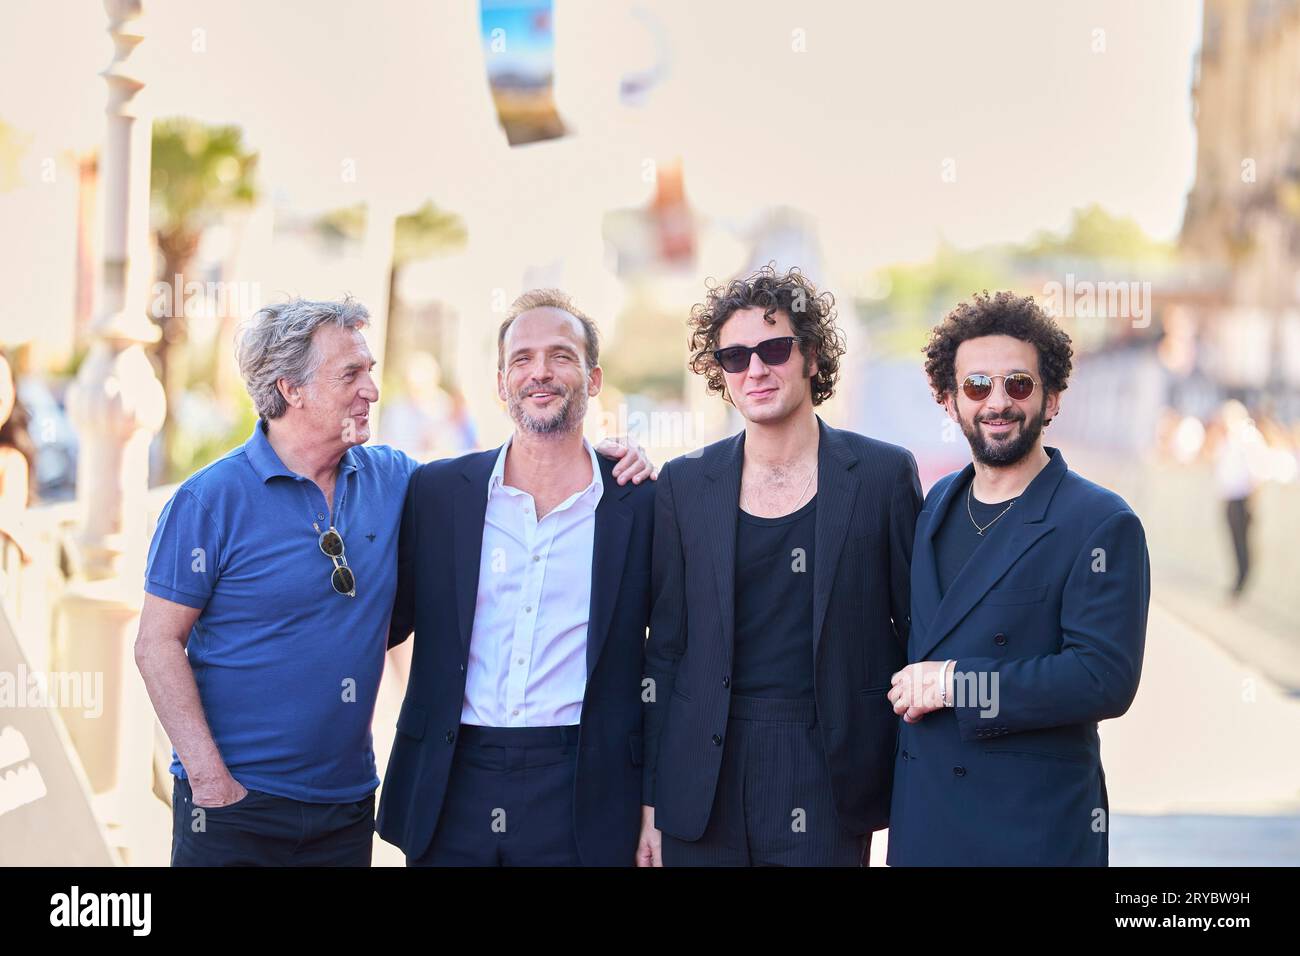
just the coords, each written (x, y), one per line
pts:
(498, 477)
(267, 464)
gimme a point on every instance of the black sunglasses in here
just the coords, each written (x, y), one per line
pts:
(342, 579)
(1019, 386)
(770, 352)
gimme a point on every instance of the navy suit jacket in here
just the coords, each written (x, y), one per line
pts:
(1050, 614)
(438, 565)
(868, 495)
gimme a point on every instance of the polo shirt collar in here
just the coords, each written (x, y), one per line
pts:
(267, 464)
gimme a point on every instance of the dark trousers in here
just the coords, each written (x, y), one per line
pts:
(773, 805)
(266, 830)
(1239, 525)
(509, 800)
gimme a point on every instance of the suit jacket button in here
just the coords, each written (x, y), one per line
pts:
(717, 740)
(999, 639)
(959, 771)
(904, 754)
(450, 736)
(726, 682)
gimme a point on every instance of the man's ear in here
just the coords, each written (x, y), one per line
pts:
(950, 406)
(595, 379)
(1051, 408)
(290, 393)
(501, 386)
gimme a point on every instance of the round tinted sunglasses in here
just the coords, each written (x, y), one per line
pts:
(341, 578)
(1018, 385)
(770, 352)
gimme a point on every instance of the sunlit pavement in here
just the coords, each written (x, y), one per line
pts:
(1204, 769)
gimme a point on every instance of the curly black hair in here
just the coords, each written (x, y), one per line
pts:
(1003, 313)
(812, 317)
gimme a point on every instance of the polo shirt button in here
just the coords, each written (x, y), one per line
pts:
(319, 516)
(999, 639)
(717, 740)
(959, 771)
(451, 737)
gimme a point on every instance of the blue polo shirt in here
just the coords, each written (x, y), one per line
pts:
(287, 669)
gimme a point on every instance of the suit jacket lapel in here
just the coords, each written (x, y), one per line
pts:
(1007, 541)
(467, 543)
(926, 594)
(721, 500)
(837, 493)
(608, 558)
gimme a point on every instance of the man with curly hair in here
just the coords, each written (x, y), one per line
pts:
(1030, 587)
(780, 603)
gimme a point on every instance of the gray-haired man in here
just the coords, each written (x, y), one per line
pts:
(269, 586)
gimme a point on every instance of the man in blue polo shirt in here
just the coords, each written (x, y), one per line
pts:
(269, 587)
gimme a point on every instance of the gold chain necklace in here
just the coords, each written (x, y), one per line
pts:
(970, 490)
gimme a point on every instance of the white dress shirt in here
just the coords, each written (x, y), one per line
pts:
(528, 648)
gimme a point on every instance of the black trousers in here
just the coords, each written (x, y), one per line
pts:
(509, 800)
(266, 830)
(1238, 511)
(773, 805)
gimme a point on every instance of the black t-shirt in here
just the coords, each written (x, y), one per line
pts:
(774, 605)
(957, 539)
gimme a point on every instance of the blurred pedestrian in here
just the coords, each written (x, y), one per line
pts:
(1238, 459)
(17, 461)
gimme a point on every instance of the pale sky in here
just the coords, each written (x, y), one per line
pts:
(1036, 118)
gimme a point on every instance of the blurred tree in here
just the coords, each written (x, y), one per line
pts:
(12, 147)
(1096, 234)
(198, 173)
(427, 232)
(423, 234)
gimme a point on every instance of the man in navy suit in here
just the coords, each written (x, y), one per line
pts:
(525, 572)
(1030, 587)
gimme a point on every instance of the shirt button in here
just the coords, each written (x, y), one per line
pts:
(529, 609)
(520, 661)
(514, 713)
(319, 516)
(537, 557)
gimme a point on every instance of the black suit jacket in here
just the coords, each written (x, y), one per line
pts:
(868, 496)
(438, 564)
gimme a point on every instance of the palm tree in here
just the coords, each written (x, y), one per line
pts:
(422, 234)
(199, 172)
